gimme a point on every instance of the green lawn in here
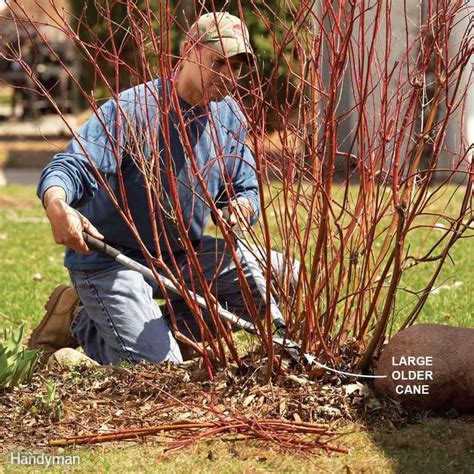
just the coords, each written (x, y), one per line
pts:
(31, 265)
(27, 249)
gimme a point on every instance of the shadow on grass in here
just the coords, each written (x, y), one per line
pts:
(434, 445)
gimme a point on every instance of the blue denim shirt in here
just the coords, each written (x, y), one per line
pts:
(134, 126)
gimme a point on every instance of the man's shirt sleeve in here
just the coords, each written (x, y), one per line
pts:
(245, 181)
(241, 169)
(100, 139)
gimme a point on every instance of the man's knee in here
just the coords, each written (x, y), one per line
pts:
(123, 322)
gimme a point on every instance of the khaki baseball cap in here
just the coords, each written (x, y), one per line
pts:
(225, 33)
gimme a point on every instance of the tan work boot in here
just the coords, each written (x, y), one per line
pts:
(53, 332)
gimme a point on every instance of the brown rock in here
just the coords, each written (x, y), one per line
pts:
(429, 367)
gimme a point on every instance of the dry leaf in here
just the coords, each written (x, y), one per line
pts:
(298, 380)
(350, 388)
(248, 400)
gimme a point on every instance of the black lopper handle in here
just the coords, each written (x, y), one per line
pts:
(100, 246)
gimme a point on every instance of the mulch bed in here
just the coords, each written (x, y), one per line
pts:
(183, 407)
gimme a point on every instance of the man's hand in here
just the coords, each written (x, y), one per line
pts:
(66, 223)
(238, 213)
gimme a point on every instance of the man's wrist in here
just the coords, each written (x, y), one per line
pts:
(52, 201)
(55, 193)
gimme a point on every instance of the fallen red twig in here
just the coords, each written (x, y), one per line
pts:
(297, 436)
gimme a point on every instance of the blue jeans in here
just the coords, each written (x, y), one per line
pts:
(119, 319)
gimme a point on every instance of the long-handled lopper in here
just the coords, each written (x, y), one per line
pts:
(260, 281)
(291, 346)
(248, 257)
